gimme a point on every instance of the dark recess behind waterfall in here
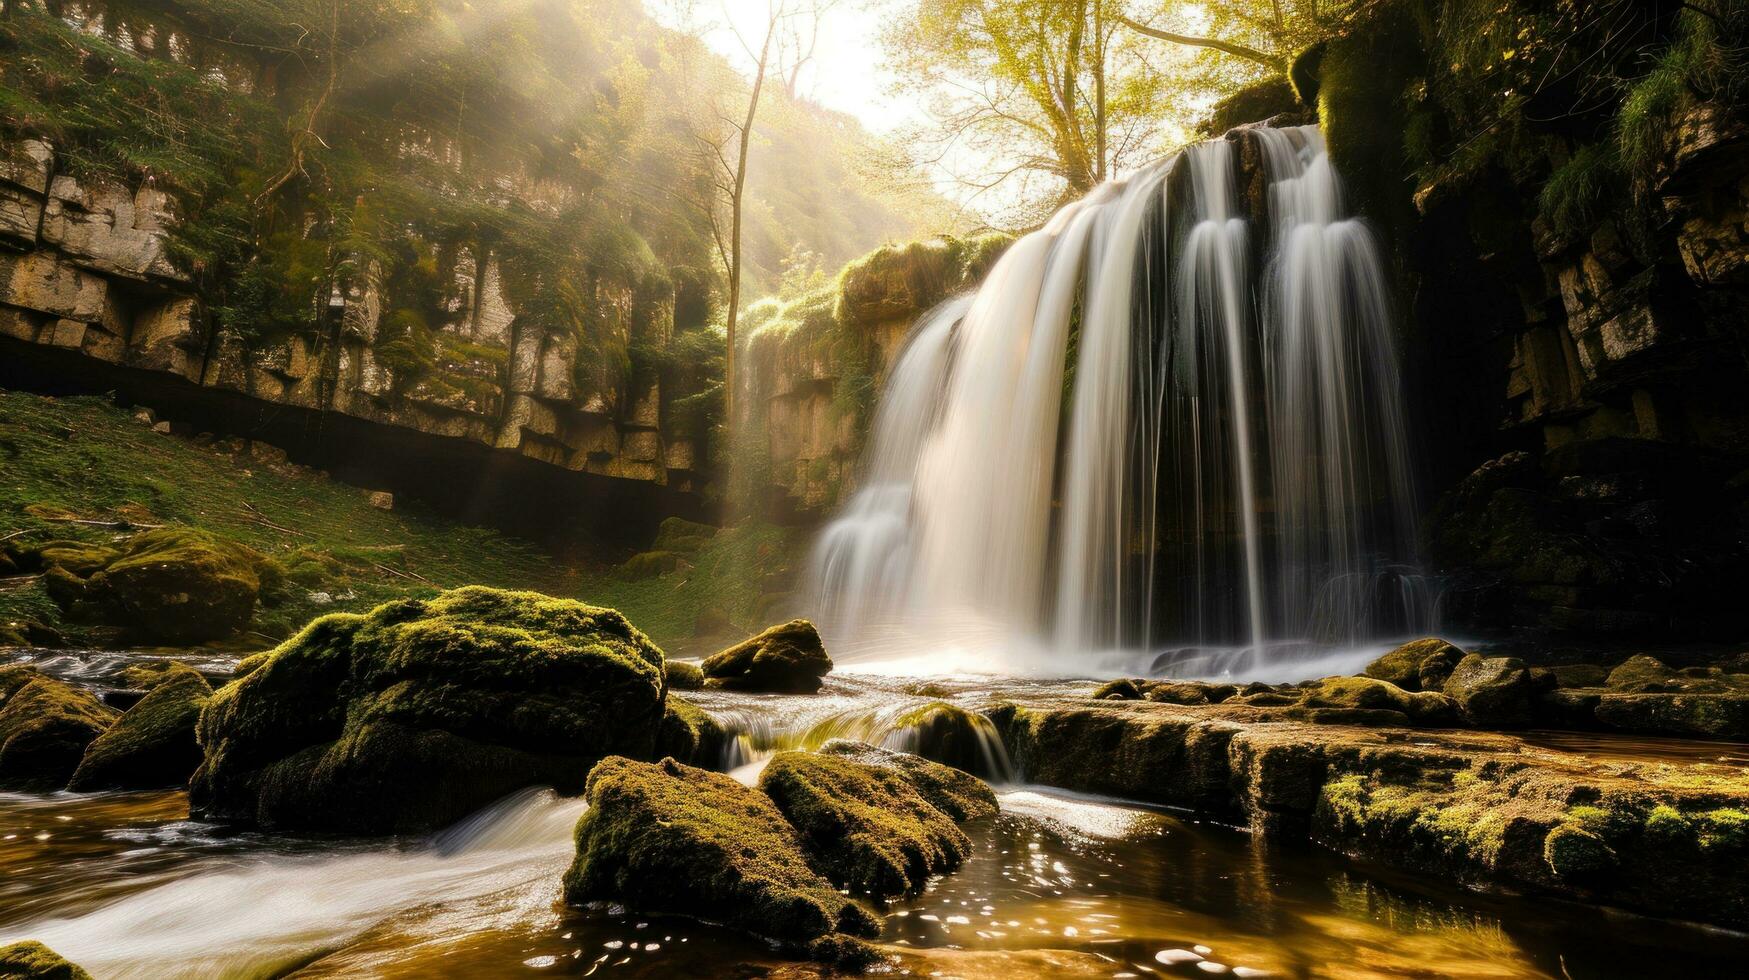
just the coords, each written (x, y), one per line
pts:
(461, 479)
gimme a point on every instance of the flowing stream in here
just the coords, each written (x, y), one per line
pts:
(1058, 885)
(1166, 432)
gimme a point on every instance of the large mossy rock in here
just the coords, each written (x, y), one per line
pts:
(1493, 692)
(1419, 665)
(872, 830)
(45, 726)
(34, 961)
(1349, 699)
(668, 838)
(153, 743)
(422, 711)
(788, 658)
(171, 585)
(954, 792)
(949, 734)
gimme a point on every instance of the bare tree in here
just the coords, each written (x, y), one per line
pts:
(730, 180)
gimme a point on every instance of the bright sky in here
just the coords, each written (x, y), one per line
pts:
(846, 72)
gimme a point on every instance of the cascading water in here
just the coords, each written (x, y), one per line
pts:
(1141, 435)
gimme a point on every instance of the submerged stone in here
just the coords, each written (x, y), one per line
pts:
(45, 726)
(668, 838)
(949, 734)
(153, 743)
(422, 711)
(33, 961)
(869, 826)
(788, 658)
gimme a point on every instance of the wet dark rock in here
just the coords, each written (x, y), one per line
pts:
(1640, 673)
(153, 743)
(691, 734)
(34, 961)
(1493, 692)
(1122, 689)
(1580, 675)
(870, 828)
(1721, 714)
(1419, 665)
(422, 711)
(949, 734)
(788, 658)
(668, 838)
(45, 726)
(30, 633)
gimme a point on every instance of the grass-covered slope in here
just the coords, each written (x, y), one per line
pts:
(65, 460)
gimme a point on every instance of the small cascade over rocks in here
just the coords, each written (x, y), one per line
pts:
(1168, 429)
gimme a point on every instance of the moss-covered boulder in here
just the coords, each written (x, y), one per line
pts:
(788, 658)
(684, 675)
(1419, 665)
(30, 633)
(872, 830)
(691, 734)
(1642, 673)
(680, 536)
(171, 585)
(668, 838)
(1346, 699)
(153, 743)
(422, 711)
(34, 961)
(954, 792)
(45, 726)
(1493, 692)
(949, 734)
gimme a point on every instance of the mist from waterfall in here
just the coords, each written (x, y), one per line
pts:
(1163, 430)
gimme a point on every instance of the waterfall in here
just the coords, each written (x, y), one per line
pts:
(1167, 423)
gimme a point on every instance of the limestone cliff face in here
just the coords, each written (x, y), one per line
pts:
(85, 270)
(814, 367)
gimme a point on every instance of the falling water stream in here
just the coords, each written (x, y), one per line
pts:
(1167, 431)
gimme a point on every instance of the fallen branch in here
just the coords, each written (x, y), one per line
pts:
(411, 576)
(123, 525)
(260, 518)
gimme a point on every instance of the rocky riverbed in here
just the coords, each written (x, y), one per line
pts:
(964, 825)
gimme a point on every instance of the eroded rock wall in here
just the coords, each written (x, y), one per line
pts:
(85, 269)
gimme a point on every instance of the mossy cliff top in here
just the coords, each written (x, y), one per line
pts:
(423, 710)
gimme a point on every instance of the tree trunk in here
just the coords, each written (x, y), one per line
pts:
(735, 198)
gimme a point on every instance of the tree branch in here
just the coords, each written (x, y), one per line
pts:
(1226, 47)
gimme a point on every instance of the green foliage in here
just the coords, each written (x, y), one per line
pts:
(1580, 191)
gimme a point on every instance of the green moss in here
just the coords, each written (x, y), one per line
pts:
(1574, 852)
(648, 564)
(671, 838)
(153, 743)
(691, 734)
(1253, 103)
(34, 961)
(874, 833)
(949, 734)
(425, 710)
(45, 726)
(684, 675)
(952, 791)
(681, 536)
(788, 657)
(1417, 665)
